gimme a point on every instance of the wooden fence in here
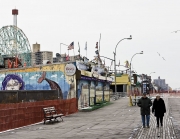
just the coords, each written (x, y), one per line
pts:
(14, 115)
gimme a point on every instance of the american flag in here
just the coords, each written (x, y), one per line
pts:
(71, 46)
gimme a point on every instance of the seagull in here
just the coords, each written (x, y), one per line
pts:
(175, 31)
(163, 58)
(158, 53)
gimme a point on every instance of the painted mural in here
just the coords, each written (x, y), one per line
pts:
(92, 92)
(12, 82)
(39, 78)
(106, 92)
(99, 92)
(83, 94)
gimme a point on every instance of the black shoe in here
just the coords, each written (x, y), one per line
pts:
(157, 125)
(143, 126)
(148, 126)
(161, 124)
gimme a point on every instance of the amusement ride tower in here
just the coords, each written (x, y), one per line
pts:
(14, 45)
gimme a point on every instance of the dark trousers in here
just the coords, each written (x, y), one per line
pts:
(159, 118)
(147, 117)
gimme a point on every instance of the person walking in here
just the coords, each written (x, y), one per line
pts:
(145, 103)
(159, 109)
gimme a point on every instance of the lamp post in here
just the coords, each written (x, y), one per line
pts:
(130, 68)
(150, 84)
(60, 46)
(115, 65)
(115, 61)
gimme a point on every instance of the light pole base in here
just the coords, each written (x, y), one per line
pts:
(130, 101)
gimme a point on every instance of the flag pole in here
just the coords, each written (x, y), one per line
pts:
(60, 48)
(73, 48)
(86, 49)
(79, 48)
(99, 42)
(74, 52)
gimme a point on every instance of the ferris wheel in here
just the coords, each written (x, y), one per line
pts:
(14, 43)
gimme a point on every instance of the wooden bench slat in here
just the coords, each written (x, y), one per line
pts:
(51, 113)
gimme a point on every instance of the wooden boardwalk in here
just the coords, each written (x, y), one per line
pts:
(165, 132)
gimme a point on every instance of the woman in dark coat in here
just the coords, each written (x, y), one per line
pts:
(159, 108)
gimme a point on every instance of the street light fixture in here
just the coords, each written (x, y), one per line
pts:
(60, 46)
(107, 58)
(115, 61)
(130, 68)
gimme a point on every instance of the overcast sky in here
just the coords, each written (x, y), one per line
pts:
(150, 22)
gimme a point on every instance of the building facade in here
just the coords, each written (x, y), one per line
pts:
(70, 79)
(122, 83)
(38, 56)
(161, 84)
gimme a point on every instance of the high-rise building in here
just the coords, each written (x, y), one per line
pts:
(36, 47)
(161, 83)
(39, 56)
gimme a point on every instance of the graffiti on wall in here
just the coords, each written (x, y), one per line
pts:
(99, 92)
(83, 93)
(51, 77)
(106, 92)
(94, 89)
(53, 85)
(12, 82)
(92, 92)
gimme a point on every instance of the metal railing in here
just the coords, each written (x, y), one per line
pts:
(117, 95)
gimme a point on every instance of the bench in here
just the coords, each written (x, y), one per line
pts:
(51, 113)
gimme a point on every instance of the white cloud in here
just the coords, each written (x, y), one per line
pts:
(36, 75)
(62, 76)
(20, 75)
(32, 78)
(2, 76)
(54, 76)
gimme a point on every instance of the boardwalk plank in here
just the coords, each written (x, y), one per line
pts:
(165, 132)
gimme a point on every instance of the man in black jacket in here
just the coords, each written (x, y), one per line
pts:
(145, 103)
(159, 108)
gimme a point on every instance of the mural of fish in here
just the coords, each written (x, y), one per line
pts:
(53, 84)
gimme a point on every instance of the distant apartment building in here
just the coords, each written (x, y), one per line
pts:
(37, 56)
(161, 84)
(65, 58)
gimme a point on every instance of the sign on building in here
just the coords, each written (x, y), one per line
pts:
(70, 69)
